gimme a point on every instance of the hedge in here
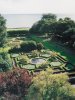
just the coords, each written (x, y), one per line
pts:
(12, 33)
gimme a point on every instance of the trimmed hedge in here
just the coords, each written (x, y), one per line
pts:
(28, 46)
(12, 33)
(14, 50)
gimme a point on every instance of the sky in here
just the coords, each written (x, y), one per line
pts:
(8, 8)
(21, 20)
(37, 6)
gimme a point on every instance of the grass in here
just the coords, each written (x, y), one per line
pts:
(52, 46)
(10, 29)
(35, 38)
(55, 47)
(62, 50)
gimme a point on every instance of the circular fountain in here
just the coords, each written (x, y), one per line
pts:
(37, 60)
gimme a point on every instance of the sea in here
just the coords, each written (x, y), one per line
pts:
(27, 20)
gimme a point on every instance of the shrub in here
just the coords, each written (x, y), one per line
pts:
(16, 82)
(28, 46)
(40, 46)
(5, 62)
(14, 50)
(44, 65)
(35, 53)
(49, 86)
(24, 60)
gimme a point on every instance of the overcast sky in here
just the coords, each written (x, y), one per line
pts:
(37, 6)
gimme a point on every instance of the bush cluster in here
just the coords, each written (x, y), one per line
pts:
(40, 46)
(49, 86)
(15, 82)
(27, 46)
(14, 50)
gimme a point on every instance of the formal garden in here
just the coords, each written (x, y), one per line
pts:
(39, 60)
(33, 64)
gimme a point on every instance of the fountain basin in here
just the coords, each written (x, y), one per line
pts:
(37, 60)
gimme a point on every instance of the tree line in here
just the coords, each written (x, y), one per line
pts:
(62, 29)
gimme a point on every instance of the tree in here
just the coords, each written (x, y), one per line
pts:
(40, 46)
(49, 16)
(3, 32)
(43, 26)
(35, 29)
(69, 36)
(62, 25)
(48, 20)
(49, 86)
(5, 62)
(61, 29)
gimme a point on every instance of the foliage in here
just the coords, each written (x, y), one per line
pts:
(23, 59)
(49, 16)
(69, 33)
(44, 65)
(4, 49)
(43, 26)
(54, 46)
(49, 86)
(5, 62)
(35, 28)
(28, 46)
(15, 82)
(61, 29)
(69, 36)
(40, 46)
(35, 53)
(15, 49)
(3, 32)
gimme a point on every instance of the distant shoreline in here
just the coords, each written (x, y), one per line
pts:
(18, 27)
(27, 20)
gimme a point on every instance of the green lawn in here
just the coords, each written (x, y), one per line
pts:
(62, 50)
(49, 45)
(11, 29)
(35, 38)
(55, 47)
